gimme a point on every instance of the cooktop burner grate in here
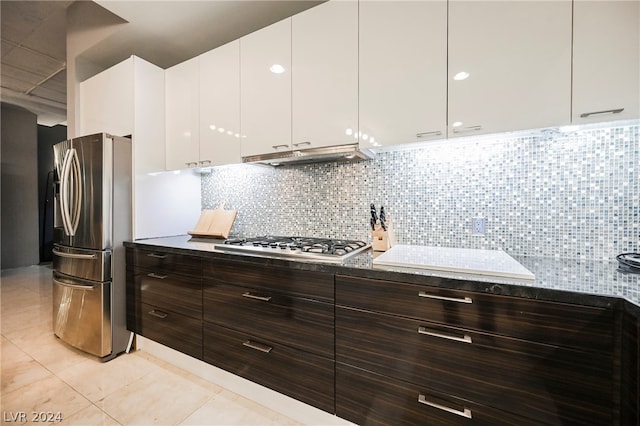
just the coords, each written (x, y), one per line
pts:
(326, 249)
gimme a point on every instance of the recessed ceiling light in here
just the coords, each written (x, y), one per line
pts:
(462, 75)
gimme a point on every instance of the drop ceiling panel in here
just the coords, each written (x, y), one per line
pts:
(15, 84)
(26, 60)
(50, 94)
(9, 71)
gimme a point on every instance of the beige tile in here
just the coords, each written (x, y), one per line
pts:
(106, 377)
(25, 318)
(90, 416)
(160, 398)
(227, 408)
(21, 374)
(46, 395)
(41, 344)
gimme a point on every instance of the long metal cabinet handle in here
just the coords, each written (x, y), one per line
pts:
(448, 299)
(279, 146)
(425, 134)
(158, 276)
(253, 296)
(422, 399)
(465, 339)
(158, 314)
(76, 286)
(257, 346)
(608, 111)
(299, 144)
(157, 256)
(74, 255)
(467, 129)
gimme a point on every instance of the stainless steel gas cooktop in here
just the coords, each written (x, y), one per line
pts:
(301, 248)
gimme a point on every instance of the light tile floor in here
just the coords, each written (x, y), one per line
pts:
(40, 374)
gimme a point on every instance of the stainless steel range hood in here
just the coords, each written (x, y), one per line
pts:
(351, 152)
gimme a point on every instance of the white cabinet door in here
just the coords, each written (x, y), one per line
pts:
(265, 90)
(325, 75)
(518, 58)
(220, 105)
(107, 101)
(606, 60)
(182, 115)
(403, 71)
(149, 110)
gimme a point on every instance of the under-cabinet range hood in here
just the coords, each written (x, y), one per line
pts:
(351, 152)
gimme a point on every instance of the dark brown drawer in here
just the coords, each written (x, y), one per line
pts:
(295, 282)
(306, 377)
(300, 323)
(367, 398)
(583, 327)
(177, 331)
(544, 382)
(162, 262)
(175, 293)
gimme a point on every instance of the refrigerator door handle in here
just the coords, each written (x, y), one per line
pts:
(64, 192)
(77, 192)
(71, 192)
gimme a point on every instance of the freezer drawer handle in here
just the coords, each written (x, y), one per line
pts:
(158, 276)
(74, 255)
(422, 399)
(158, 314)
(78, 287)
(465, 339)
(157, 256)
(253, 296)
(448, 299)
(257, 346)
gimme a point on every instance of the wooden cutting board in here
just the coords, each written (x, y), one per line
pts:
(215, 223)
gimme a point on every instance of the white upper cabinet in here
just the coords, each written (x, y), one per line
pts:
(403, 71)
(265, 90)
(606, 60)
(107, 101)
(220, 105)
(182, 115)
(509, 65)
(128, 99)
(325, 75)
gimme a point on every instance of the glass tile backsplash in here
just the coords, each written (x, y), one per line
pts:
(548, 193)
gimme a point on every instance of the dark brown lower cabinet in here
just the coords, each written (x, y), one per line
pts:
(545, 383)
(301, 375)
(177, 331)
(367, 398)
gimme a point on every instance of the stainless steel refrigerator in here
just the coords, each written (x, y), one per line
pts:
(92, 219)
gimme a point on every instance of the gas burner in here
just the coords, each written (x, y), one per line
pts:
(323, 249)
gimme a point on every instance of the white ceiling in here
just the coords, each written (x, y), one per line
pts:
(33, 67)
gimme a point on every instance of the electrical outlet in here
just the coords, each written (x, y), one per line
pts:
(479, 225)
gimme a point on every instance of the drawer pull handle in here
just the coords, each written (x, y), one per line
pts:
(157, 256)
(158, 314)
(423, 400)
(465, 339)
(158, 276)
(448, 299)
(257, 346)
(277, 147)
(253, 296)
(608, 111)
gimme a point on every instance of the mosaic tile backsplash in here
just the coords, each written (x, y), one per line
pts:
(573, 195)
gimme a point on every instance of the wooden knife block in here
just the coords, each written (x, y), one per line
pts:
(382, 240)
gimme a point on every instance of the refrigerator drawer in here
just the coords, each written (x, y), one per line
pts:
(81, 314)
(91, 265)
